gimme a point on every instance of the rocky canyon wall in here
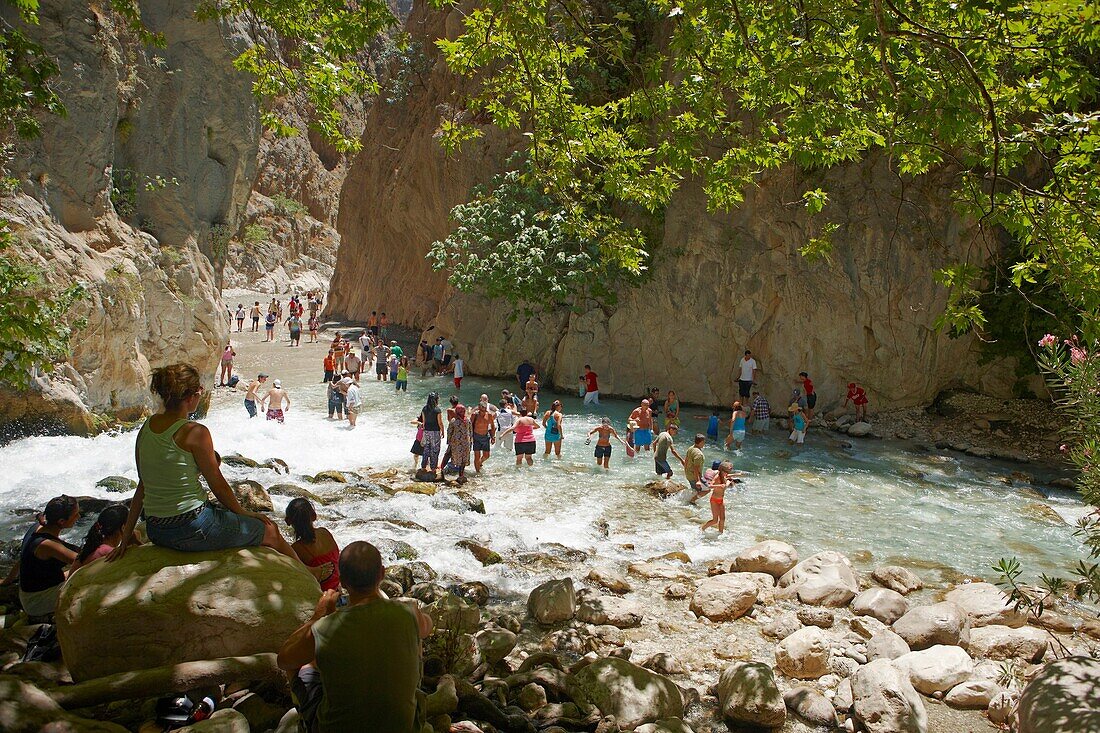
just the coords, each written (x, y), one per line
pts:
(719, 282)
(90, 207)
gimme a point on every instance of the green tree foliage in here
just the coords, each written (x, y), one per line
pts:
(309, 52)
(621, 100)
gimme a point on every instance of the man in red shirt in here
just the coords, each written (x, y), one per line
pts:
(811, 396)
(859, 398)
(591, 387)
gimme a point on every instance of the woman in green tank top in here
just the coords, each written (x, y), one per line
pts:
(171, 452)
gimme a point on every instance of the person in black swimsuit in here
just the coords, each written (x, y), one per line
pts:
(43, 558)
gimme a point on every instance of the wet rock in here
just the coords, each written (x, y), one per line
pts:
(724, 597)
(824, 579)
(278, 465)
(884, 701)
(480, 552)
(882, 603)
(426, 592)
(473, 591)
(940, 623)
(531, 697)
(677, 591)
(898, 579)
(804, 654)
(238, 461)
(632, 694)
(665, 488)
(296, 492)
(495, 643)
(985, 604)
(810, 705)
(622, 613)
(1004, 642)
(936, 669)
(886, 645)
(663, 663)
(553, 601)
(974, 694)
(748, 695)
(395, 549)
(508, 621)
(471, 502)
(1062, 698)
(815, 616)
(400, 574)
(770, 556)
(335, 477)
(609, 580)
(452, 612)
(782, 625)
(391, 589)
(424, 488)
(117, 484)
(658, 571)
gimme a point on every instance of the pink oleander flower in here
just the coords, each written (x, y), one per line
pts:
(1047, 341)
(1078, 355)
(1063, 448)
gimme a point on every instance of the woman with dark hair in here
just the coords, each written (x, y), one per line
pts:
(316, 546)
(43, 557)
(551, 421)
(104, 535)
(459, 439)
(171, 453)
(432, 418)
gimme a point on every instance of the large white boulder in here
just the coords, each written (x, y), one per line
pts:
(770, 556)
(810, 705)
(748, 696)
(155, 607)
(824, 579)
(1062, 698)
(884, 604)
(884, 701)
(986, 605)
(725, 597)
(936, 669)
(940, 623)
(886, 645)
(553, 601)
(897, 578)
(633, 694)
(974, 694)
(804, 654)
(623, 613)
(1004, 642)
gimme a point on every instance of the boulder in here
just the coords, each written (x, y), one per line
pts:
(553, 601)
(936, 669)
(652, 570)
(804, 654)
(974, 694)
(187, 605)
(886, 645)
(471, 502)
(1004, 642)
(810, 705)
(884, 701)
(481, 553)
(252, 496)
(295, 491)
(940, 623)
(884, 604)
(860, 429)
(117, 484)
(632, 694)
(609, 580)
(26, 709)
(452, 612)
(724, 597)
(664, 663)
(238, 461)
(495, 643)
(622, 613)
(818, 616)
(473, 591)
(334, 477)
(531, 697)
(770, 556)
(782, 625)
(897, 578)
(985, 604)
(748, 696)
(842, 700)
(667, 725)
(1062, 698)
(824, 579)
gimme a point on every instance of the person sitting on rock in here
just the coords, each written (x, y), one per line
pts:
(361, 662)
(316, 546)
(103, 536)
(43, 557)
(171, 452)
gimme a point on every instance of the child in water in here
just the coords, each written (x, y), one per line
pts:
(603, 443)
(718, 487)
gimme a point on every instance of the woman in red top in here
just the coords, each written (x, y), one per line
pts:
(330, 367)
(315, 545)
(858, 397)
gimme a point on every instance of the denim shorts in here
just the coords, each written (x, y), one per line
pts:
(213, 528)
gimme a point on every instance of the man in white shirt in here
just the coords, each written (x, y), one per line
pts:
(747, 377)
(459, 369)
(354, 403)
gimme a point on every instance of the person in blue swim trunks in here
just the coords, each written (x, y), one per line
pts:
(643, 417)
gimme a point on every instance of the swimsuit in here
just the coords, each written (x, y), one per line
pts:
(332, 582)
(275, 415)
(552, 434)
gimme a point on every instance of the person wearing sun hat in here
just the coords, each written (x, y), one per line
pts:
(798, 424)
(276, 402)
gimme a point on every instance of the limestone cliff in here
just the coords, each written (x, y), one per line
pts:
(719, 282)
(91, 208)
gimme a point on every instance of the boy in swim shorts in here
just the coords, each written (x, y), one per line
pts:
(603, 443)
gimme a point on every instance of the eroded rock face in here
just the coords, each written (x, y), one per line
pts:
(150, 253)
(188, 606)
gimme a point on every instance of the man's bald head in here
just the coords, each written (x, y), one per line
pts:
(361, 569)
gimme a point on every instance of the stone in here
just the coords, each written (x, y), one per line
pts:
(632, 694)
(1062, 698)
(865, 626)
(677, 591)
(748, 695)
(842, 700)
(940, 623)
(393, 550)
(252, 496)
(1002, 708)
(936, 669)
(26, 709)
(222, 721)
(985, 604)
(810, 705)
(334, 477)
(473, 591)
(782, 625)
(531, 697)
(824, 579)
(117, 484)
(815, 616)
(724, 597)
(664, 663)
(553, 601)
(452, 612)
(609, 580)
(974, 694)
(189, 606)
(289, 722)
(278, 465)
(886, 645)
(860, 429)
(804, 654)
(296, 492)
(238, 461)
(480, 552)
(1004, 642)
(426, 593)
(622, 613)
(471, 502)
(658, 571)
(770, 556)
(884, 701)
(884, 604)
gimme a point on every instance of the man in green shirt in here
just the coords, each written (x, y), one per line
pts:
(693, 467)
(396, 350)
(358, 667)
(661, 448)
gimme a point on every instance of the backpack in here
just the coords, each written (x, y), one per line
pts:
(43, 645)
(234, 380)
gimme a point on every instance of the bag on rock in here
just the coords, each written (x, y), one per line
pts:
(43, 645)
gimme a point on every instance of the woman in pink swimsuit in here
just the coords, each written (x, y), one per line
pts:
(315, 545)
